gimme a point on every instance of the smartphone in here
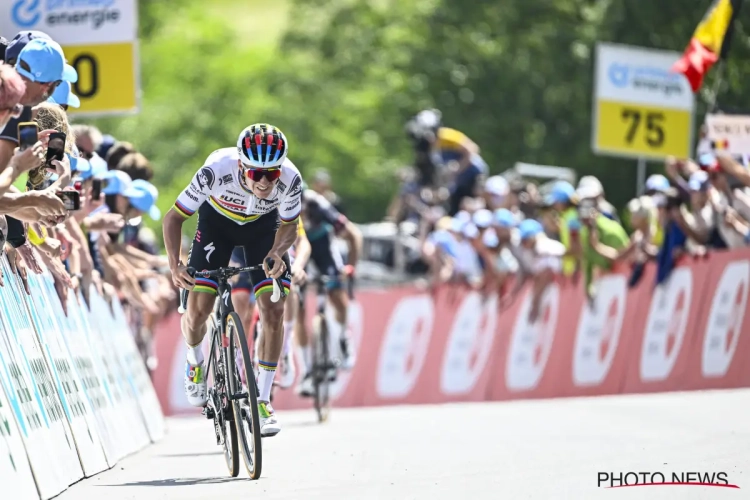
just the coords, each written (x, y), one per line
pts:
(96, 190)
(28, 135)
(71, 199)
(55, 148)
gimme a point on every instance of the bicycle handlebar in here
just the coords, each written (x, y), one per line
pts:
(224, 273)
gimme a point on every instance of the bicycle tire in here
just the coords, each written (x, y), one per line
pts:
(253, 457)
(231, 447)
(321, 362)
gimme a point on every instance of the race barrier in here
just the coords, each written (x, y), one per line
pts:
(689, 333)
(75, 397)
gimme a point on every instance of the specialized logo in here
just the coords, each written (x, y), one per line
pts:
(531, 343)
(405, 345)
(225, 297)
(469, 344)
(209, 250)
(206, 178)
(666, 325)
(725, 320)
(599, 331)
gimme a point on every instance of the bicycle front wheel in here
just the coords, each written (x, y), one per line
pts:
(244, 395)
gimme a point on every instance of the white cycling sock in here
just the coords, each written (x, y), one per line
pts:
(195, 355)
(288, 334)
(307, 358)
(266, 372)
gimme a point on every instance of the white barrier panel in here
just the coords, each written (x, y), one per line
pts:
(103, 326)
(94, 382)
(51, 324)
(15, 473)
(138, 377)
(28, 385)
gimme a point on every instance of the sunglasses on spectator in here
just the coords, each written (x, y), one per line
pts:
(256, 174)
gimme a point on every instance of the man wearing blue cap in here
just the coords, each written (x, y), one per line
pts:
(41, 64)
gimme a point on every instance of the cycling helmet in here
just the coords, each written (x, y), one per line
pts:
(262, 146)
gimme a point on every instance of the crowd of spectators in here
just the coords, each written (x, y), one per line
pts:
(103, 245)
(494, 233)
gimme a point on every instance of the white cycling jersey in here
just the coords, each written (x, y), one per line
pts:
(220, 183)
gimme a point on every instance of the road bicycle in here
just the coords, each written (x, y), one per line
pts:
(324, 367)
(229, 363)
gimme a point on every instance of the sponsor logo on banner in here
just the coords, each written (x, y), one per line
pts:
(599, 332)
(405, 345)
(531, 343)
(355, 326)
(666, 325)
(469, 344)
(724, 324)
(729, 133)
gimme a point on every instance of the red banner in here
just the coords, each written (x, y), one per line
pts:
(456, 345)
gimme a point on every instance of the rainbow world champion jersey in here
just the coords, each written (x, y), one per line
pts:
(218, 182)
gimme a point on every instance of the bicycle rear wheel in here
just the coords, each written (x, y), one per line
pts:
(225, 427)
(245, 406)
(321, 365)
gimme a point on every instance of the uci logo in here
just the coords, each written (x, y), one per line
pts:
(26, 13)
(229, 199)
(618, 74)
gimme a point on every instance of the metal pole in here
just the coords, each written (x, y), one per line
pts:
(641, 177)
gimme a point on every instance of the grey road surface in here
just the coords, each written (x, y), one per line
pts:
(550, 449)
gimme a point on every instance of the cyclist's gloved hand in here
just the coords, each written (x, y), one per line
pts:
(349, 270)
(278, 265)
(299, 276)
(181, 278)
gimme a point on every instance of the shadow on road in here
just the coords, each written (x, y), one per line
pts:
(182, 481)
(180, 455)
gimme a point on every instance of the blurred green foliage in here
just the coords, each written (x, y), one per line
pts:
(340, 77)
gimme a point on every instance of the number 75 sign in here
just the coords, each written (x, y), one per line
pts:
(641, 109)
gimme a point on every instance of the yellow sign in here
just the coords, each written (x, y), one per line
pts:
(640, 130)
(106, 77)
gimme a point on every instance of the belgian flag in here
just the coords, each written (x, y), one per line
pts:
(710, 42)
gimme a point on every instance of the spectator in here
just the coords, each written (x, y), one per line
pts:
(602, 241)
(656, 183)
(136, 166)
(590, 187)
(495, 194)
(107, 142)
(117, 152)
(64, 97)
(542, 257)
(88, 140)
(562, 199)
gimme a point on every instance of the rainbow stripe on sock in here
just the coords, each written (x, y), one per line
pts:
(267, 365)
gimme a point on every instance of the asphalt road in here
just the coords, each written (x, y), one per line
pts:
(547, 449)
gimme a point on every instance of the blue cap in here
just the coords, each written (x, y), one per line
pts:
(116, 182)
(530, 228)
(145, 198)
(98, 166)
(562, 192)
(504, 218)
(657, 182)
(64, 95)
(47, 62)
(80, 166)
(482, 218)
(19, 42)
(698, 181)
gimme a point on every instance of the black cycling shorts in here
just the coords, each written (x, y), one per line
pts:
(328, 261)
(215, 239)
